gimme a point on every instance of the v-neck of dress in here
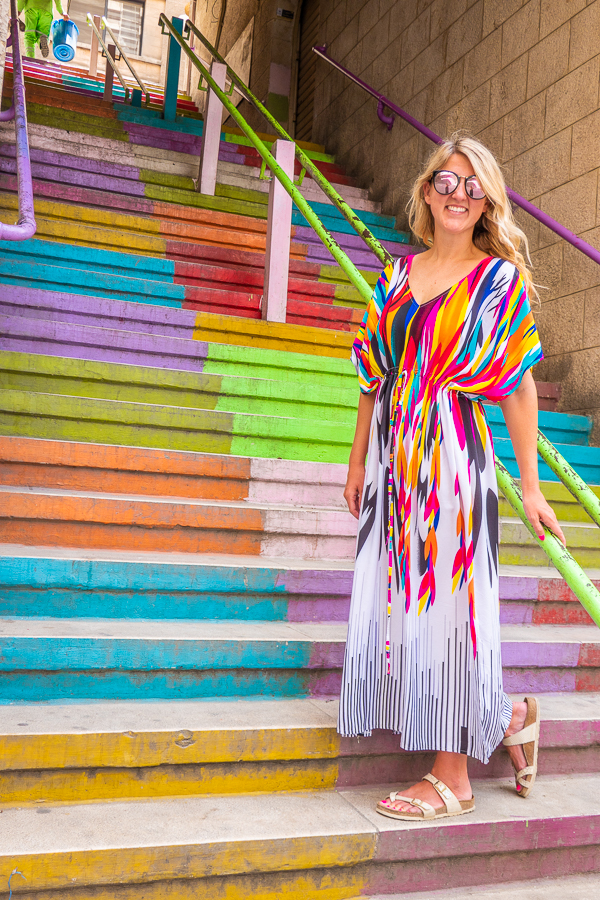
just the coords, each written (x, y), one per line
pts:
(443, 293)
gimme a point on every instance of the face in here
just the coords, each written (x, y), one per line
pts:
(455, 213)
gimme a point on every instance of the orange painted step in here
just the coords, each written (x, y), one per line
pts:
(122, 470)
(128, 523)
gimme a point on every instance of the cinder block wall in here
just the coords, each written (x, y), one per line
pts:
(524, 77)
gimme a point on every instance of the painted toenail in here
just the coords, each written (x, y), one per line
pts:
(519, 788)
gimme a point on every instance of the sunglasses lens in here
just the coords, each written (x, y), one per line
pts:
(445, 182)
(474, 189)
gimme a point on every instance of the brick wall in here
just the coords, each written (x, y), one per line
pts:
(524, 77)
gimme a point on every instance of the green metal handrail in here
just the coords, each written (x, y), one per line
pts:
(141, 84)
(309, 214)
(109, 58)
(568, 567)
(305, 161)
(569, 477)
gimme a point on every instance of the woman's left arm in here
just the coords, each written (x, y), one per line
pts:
(520, 410)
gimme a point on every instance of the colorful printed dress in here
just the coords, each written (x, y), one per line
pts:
(423, 648)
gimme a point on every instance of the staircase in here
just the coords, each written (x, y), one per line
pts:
(176, 560)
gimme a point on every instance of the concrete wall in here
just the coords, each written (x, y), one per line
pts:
(272, 50)
(523, 76)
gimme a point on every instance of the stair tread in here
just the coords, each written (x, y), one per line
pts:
(224, 715)
(240, 631)
(225, 560)
(584, 887)
(256, 822)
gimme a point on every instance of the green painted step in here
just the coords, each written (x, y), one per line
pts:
(298, 398)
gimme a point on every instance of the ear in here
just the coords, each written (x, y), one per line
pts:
(427, 193)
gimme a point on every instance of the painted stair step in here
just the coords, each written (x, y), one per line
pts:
(68, 518)
(289, 399)
(305, 845)
(28, 413)
(76, 466)
(106, 659)
(280, 339)
(84, 752)
(55, 581)
(551, 887)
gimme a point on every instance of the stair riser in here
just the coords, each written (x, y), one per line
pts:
(109, 781)
(64, 603)
(66, 521)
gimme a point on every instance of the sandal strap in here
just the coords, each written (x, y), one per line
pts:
(449, 798)
(525, 736)
(426, 808)
(519, 776)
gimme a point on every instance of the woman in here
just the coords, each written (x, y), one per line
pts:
(443, 330)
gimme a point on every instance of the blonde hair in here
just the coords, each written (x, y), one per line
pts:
(496, 233)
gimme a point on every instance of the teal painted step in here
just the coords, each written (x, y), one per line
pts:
(27, 273)
(64, 588)
(169, 684)
(89, 259)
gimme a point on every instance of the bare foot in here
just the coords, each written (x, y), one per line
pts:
(424, 790)
(517, 723)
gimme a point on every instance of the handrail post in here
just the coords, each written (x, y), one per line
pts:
(172, 76)
(93, 68)
(211, 134)
(279, 230)
(109, 75)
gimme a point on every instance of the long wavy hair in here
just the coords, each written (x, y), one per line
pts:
(496, 233)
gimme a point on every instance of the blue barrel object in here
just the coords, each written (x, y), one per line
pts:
(64, 39)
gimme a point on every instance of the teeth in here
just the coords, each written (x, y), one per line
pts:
(457, 208)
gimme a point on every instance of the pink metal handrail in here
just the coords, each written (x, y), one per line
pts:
(26, 226)
(383, 102)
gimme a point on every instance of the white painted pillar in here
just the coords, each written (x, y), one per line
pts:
(211, 134)
(279, 229)
(93, 69)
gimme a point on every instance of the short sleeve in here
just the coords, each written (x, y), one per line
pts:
(363, 358)
(513, 340)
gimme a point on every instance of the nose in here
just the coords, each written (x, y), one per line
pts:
(460, 192)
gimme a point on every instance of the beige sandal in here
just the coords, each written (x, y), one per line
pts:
(529, 737)
(452, 805)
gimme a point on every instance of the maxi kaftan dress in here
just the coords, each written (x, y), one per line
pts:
(423, 649)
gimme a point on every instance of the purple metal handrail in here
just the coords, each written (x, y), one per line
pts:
(382, 101)
(26, 226)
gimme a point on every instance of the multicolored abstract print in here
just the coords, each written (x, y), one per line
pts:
(423, 650)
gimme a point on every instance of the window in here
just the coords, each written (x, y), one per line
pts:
(125, 18)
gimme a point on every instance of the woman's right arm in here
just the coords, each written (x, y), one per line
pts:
(358, 454)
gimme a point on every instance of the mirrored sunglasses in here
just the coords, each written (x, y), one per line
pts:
(446, 182)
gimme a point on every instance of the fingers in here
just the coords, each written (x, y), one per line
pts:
(352, 497)
(551, 522)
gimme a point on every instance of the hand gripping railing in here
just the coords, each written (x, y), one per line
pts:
(26, 226)
(311, 217)
(361, 229)
(575, 577)
(109, 58)
(141, 84)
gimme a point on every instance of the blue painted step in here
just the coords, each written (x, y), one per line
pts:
(64, 588)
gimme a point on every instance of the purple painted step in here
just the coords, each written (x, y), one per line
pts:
(25, 335)
(107, 313)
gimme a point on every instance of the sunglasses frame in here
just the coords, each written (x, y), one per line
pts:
(459, 178)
